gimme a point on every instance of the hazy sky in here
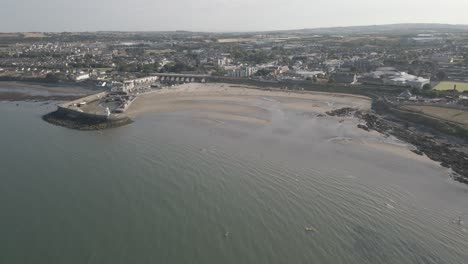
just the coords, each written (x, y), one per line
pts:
(220, 15)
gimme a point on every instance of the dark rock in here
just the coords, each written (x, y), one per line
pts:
(444, 164)
(435, 149)
(346, 111)
(417, 151)
(363, 127)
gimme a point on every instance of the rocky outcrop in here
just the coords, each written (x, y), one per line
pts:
(346, 111)
(439, 150)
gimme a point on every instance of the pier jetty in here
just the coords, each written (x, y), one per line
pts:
(89, 113)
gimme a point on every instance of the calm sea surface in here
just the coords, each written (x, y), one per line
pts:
(173, 189)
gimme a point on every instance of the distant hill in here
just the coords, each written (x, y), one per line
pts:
(411, 28)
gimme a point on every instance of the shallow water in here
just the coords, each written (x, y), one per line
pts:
(43, 89)
(172, 189)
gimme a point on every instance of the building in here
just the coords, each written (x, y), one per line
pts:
(463, 100)
(82, 77)
(242, 72)
(404, 95)
(223, 61)
(389, 76)
(280, 70)
(407, 80)
(332, 65)
(442, 59)
(310, 74)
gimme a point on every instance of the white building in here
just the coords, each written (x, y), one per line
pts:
(82, 77)
(241, 72)
(332, 65)
(310, 74)
(405, 79)
(390, 76)
(223, 61)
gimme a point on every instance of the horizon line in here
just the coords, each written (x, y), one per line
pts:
(236, 31)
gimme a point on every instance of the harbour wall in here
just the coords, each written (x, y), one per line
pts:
(70, 108)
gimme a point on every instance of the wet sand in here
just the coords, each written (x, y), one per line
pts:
(22, 91)
(216, 103)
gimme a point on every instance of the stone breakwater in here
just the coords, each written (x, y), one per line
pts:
(70, 115)
(436, 149)
(82, 122)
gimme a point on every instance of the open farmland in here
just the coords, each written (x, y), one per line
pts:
(34, 35)
(234, 40)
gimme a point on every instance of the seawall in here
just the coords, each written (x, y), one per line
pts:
(71, 116)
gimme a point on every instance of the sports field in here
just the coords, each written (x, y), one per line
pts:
(442, 86)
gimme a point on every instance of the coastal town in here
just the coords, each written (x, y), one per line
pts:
(426, 62)
(219, 131)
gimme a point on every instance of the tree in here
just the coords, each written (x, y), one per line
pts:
(219, 72)
(176, 67)
(415, 91)
(441, 75)
(431, 93)
(262, 72)
(427, 87)
(52, 77)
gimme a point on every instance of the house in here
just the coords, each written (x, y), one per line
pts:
(463, 100)
(241, 72)
(223, 61)
(82, 77)
(405, 95)
(280, 70)
(332, 65)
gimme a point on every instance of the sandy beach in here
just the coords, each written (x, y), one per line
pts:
(215, 101)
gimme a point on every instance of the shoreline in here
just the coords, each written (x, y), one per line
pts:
(214, 102)
(222, 97)
(44, 82)
(436, 149)
(37, 91)
(59, 118)
(19, 97)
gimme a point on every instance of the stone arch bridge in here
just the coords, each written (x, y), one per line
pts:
(180, 78)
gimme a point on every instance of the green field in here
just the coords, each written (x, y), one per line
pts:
(159, 52)
(442, 86)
